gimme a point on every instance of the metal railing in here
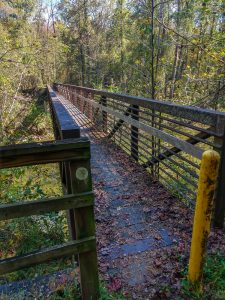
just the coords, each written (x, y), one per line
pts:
(165, 138)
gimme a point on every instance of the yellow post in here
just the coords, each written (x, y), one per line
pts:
(203, 212)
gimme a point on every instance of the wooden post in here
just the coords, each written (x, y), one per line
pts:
(104, 114)
(219, 213)
(85, 227)
(203, 211)
(134, 132)
(66, 181)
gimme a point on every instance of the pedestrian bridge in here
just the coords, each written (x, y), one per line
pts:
(145, 160)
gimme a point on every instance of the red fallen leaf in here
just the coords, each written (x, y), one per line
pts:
(114, 285)
(158, 263)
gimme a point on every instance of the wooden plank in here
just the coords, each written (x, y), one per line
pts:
(68, 190)
(178, 143)
(43, 255)
(65, 122)
(66, 128)
(29, 208)
(45, 152)
(196, 114)
(80, 173)
(174, 150)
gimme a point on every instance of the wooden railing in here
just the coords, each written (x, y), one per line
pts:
(64, 128)
(166, 138)
(76, 153)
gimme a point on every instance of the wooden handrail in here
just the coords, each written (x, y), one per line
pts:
(44, 153)
(66, 126)
(76, 152)
(31, 208)
(44, 255)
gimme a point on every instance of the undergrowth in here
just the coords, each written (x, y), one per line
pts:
(213, 283)
(23, 235)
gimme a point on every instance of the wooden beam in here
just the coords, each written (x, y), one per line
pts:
(65, 122)
(43, 153)
(29, 208)
(104, 114)
(81, 181)
(43, 255)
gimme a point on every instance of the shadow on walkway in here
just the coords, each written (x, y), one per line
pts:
(143, 232)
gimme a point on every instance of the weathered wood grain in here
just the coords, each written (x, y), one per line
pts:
(38, 207)
(84, 245)
(65, 122)
(80, 173)
(43, 153)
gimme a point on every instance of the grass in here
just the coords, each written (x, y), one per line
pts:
(213, 283)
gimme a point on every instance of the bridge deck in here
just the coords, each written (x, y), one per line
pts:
(141, 229)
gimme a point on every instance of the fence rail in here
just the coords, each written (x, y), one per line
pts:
(76, 152)
(166, 138)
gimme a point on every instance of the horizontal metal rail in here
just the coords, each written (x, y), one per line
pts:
(183, 145)
(166, 138)
(196, 114)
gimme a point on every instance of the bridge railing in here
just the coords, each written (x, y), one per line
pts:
(64, 127)
(167, 139)
(76, 152)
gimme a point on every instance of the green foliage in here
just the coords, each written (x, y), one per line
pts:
(20, 236)
(213, 280)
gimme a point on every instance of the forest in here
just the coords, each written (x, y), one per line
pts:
(165, 50)
(171, 50)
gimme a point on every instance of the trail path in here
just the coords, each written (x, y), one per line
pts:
(141, 229)
(143, 232)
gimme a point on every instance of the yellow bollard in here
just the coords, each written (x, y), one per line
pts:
(203, 212)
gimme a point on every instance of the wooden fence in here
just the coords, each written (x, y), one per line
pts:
(76, 153)
(165, 138)
(64, 128)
